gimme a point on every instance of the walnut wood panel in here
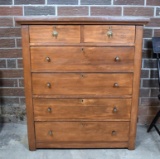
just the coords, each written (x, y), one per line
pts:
(81, 109)
(82, 59)
(120, 34)
(66, 33)
(82, 83)
(81, 131)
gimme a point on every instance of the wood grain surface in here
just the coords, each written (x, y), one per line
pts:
(120, 34)
(81, 109)
(66, 33)
(82, 59)
(81, 131)
(82, 83)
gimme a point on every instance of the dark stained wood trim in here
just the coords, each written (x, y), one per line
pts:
(28, 86)
(136, 84)
(81, 20)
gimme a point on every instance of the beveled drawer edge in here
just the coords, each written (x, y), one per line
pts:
(84, 120)
(80, 96)
(81, 44)
(82, 145)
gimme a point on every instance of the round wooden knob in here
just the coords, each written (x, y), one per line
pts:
(48, 59)
(115, 110)
(116, 85)
(117, 59)
(114, 132)
(49, 85)
(50, 132)
(49, 109)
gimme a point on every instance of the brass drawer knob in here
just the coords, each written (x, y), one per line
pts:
(48, 59)
(50, 132)
(116, 85)
(117, 59)
(55, 33)
(49, 109)
(115, 110)
(109, 32)
(49, 85)
(114, 133)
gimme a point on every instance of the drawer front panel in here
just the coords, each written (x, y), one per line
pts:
(44, 33)
(82, 83)
(81, 131)
(119, 34)
(86, 59)
(84, 109)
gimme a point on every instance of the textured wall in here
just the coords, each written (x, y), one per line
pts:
(11, 69)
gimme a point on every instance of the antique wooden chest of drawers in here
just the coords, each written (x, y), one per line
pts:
(82, 80)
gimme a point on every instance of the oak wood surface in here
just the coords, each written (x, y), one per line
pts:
(81, 131)
(28, 87)
(120, 34)
(82, 144)
(66, 33)
(82, 59)
(81, 109)
(82, 20)
(82, 83)
(136, 85)
(82, 44)
(70, 99)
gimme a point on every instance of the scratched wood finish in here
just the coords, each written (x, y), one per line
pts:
(81, 109)
(82, 59)
(81, 131)
(82, 83)
(66, 33)
(120, 34)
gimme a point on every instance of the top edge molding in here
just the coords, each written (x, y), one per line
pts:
(81, 20)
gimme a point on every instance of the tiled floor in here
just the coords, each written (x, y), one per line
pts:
(13, 145)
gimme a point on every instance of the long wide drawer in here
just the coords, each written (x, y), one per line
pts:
(82, 59)
(81, 131)
(82, 83)
(112, 34)
(57, 34)
(81, 109)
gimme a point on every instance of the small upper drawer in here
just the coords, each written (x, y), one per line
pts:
(114, 34)
(57, 34)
